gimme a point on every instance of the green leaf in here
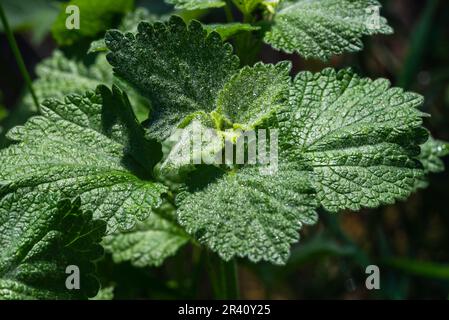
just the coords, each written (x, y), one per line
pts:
(180, 69)
(97, 46)
(181, 154)
(90, 146)
(228, 30)
(105, 294)
(150, 242)
(132, 19)
(58, 76)
(360, 136)
(254, 94)
(128, 24)
(248, 214)
(196, 4)
(250, 97)
(320, 29)
(431, 153)
(40, 240)
(95, 18)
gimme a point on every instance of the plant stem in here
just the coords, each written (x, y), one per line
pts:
(198, 263)
(223, 276)
(18, 56)
(231, 279)
(228, 11)
(212, 271)
(247, 46)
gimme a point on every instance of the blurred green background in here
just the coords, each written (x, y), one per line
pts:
(409, 241)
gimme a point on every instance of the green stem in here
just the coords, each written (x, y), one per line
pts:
(248, 46)
(231, 279)
(197, 271)
(18, 56)
(223, 277)
(214, 282)
(228, 11)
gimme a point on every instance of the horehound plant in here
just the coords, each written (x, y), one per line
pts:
(97, 159)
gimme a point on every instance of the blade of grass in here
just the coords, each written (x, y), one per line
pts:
(18, 55)
(419, 268)
(418, 46)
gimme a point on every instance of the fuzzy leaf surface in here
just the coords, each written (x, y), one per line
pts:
(179, 68)
(89, 146)
(254, 93)
(431, 153)
(150, 242)
(40, 241)
(320, 29)
(248, 214)
(196, 4)
(360, 136)
(59, 76)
